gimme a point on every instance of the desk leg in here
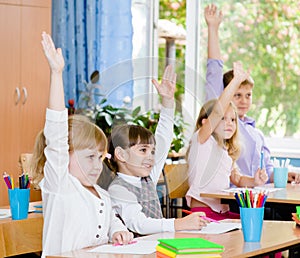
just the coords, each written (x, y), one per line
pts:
(2, 243)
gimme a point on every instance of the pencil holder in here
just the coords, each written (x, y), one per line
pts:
(280, 177)
(252, 222)
(19, 203)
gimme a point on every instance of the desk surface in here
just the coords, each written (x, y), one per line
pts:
(235, 247)
(288, 195)
(21, 236)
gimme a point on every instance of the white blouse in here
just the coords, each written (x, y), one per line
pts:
(74, 218)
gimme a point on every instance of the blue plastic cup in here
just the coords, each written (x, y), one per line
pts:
(19, 203)
(280, 177)
(252, 222)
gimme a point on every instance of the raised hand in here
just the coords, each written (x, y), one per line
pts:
(167, 87)
(213, 17)
(56, 63)
(54, 56)
(239, 73)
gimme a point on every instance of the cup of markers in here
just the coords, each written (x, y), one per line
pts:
(18, 196)
(251, 213)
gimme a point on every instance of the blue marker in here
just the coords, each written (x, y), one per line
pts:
(261, 160)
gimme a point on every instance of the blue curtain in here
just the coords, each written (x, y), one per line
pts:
(95, 35)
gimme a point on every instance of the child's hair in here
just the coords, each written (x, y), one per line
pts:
(231, 144)
(228, 76)
(126, 136)
(82, 134)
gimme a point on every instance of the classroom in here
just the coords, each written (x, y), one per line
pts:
(121, 61)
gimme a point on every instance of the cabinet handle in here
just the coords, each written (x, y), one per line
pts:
(17, 90)
(25, 95)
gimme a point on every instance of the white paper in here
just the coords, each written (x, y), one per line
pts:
(140, 247)
(4, 213)
(216, 228)
(256, 189)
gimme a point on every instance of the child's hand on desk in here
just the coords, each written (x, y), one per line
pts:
(294, 177)
(260, 177)
(122, 237)
(191, 222)
(295, 218)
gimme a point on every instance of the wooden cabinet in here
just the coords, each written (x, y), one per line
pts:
(24, 80)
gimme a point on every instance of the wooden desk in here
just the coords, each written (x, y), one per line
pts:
(288, 195)
(21, 236)
(285, 198)
(271, 242)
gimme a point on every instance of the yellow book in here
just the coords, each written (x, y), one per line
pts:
(166, 252)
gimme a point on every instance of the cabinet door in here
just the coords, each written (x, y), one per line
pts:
(24, 72)
(35, 74)
(9, 82)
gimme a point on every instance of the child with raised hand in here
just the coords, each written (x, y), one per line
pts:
(138, 158)
(252, 139)
(213, 151)
(68, 161)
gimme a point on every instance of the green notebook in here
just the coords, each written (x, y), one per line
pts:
(190, 245)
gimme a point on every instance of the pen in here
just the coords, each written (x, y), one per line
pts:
(129, 243)
(261, 160)
(203, 217)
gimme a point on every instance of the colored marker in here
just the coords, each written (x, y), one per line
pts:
(203, 217)
(129, 243)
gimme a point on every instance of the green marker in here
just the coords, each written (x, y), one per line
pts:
(298, 211)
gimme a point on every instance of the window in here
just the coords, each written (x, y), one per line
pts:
(264, 35)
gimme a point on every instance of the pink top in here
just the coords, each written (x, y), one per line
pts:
(209, 171)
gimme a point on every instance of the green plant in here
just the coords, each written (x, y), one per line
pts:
(105, 116)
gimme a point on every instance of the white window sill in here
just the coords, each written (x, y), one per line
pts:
(284, 147)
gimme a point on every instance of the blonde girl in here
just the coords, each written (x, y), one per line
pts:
(68, 160)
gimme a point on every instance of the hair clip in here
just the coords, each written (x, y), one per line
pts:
(108, 155)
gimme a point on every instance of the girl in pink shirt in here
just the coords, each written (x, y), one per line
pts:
(213, 151)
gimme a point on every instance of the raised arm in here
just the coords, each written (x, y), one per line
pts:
(213, 19)
(167, 87)
(56, 64)
(223, 102)
(165, 126)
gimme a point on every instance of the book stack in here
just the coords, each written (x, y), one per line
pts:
(188, 248)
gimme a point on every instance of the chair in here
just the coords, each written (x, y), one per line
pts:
(176, 180)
